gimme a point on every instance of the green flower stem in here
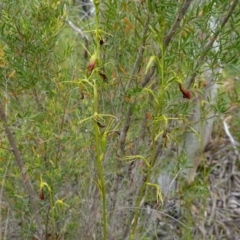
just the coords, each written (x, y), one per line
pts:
(97, 10)
(101, 183)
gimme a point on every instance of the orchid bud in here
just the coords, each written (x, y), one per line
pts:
(92, 63)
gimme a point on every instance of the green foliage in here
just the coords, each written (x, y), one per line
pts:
(92, 134)
(28, 42)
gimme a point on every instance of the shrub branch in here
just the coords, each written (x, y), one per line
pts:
(147, 78)
(25, 177)
(211, 42)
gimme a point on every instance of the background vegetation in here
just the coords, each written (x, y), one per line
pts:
(92, 114)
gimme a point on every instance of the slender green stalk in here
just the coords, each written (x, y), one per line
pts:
(101, 183)
(52, 211)
(97, 9)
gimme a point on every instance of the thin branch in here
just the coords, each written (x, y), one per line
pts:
(211, 42)
(176, 23)
(82, 34)
(167, 39)
(234, 143)
(77, 29)
(138, 61)
(124, 131)
(135, 70)
(25, 177)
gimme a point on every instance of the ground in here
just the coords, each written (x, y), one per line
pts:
(218, 215)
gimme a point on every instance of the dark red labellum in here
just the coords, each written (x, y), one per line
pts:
(41, 195)
(185, 92)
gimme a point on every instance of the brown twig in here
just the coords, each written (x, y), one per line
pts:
(176, 23)
(25, 177)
